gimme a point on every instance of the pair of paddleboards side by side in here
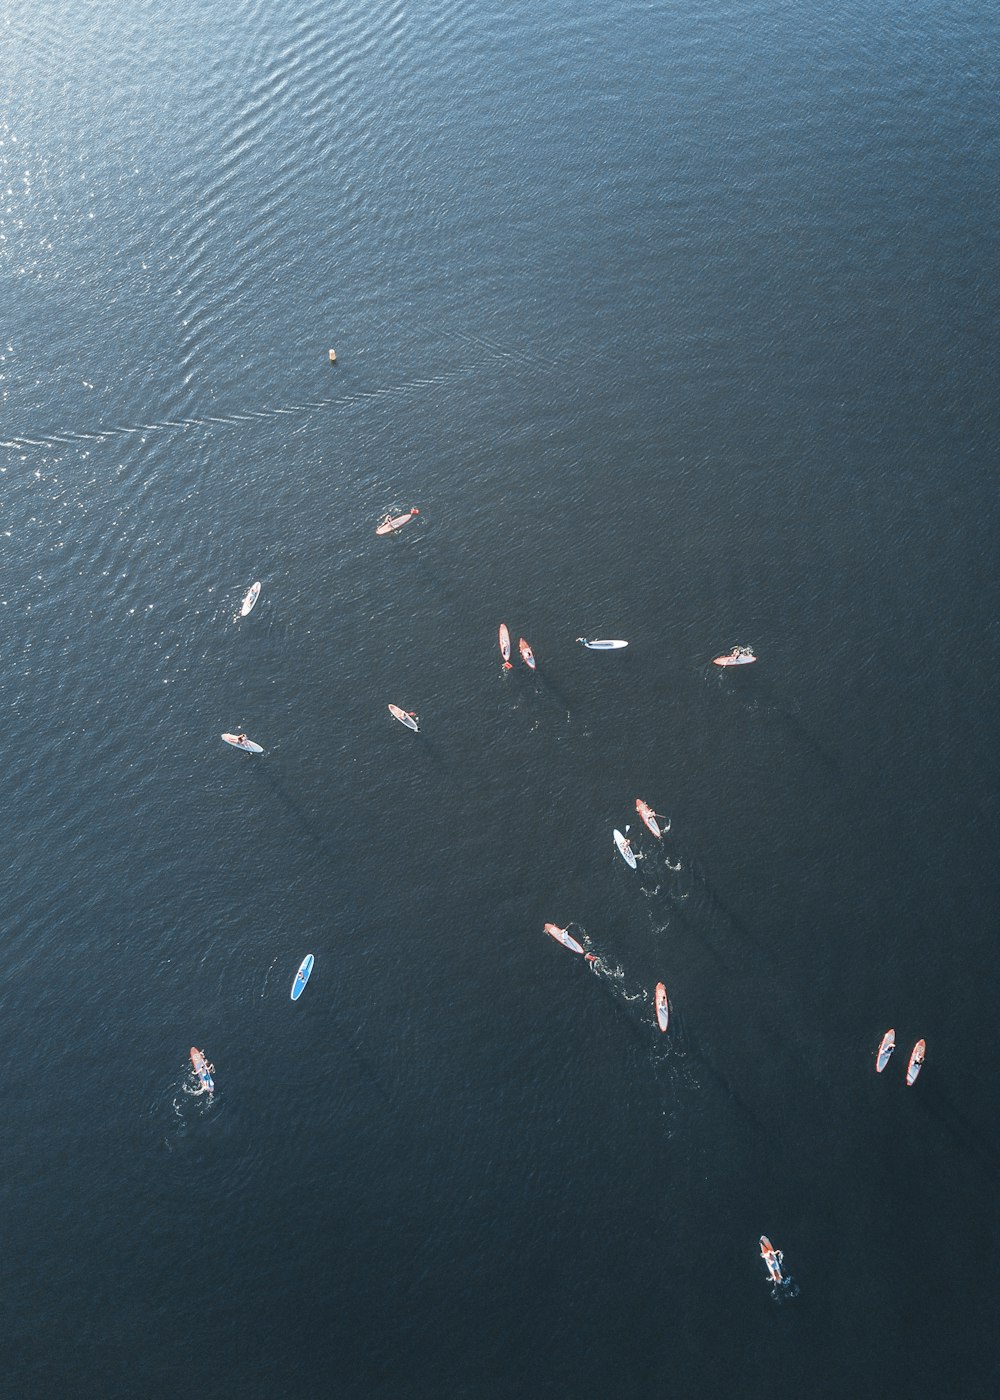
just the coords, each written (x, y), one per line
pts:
(247, 745)
(202, 1068)
(624, 849)
(739, 656)
(563, 936)
(662, 1006)
(389, 524)
(405, 717)
(602, 643)
(250, 601)
(302, 976)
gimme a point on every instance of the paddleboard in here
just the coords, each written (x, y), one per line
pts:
(389, 524)
(662, 1007)
(916, 1060)
(648, 816)
(404, 718)
(624, 849)
(885, 1049)
(247, 745)
(504, 637)
(772, 1258)
(562, 936)
(302, 976)
(527, 655)
(253, 593)
(202, 1068)
(739, 656)
(601, 644)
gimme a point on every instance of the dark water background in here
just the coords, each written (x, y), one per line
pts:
(679, 322)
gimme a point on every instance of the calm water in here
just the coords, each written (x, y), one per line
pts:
(679, 324)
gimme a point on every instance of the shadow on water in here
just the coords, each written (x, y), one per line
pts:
(716, 903)
(702, 918)
(636, 1012)
(764, 686)
(435, 753)
(306, 826)
(352, 915)
(810, 742)
(698, 928)
(719, 1078)
(549, 687)
(965, 1133)
(367, 1068)
(441, 582)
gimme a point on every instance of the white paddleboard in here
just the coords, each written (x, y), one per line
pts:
(624, 849)
(253, 593)
(600, 644)
(247, 745)
(405, 718)
(389, 524)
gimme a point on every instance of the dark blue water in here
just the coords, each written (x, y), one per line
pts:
(679, 324)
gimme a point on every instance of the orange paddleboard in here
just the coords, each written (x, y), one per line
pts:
(662, 1007)
(202, 1068)
(739, 656)
(772, 1258)
(916, 1060)
(564, 937)
(885, 1049)
(527, 655)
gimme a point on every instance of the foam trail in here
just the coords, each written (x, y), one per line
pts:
(67, 438)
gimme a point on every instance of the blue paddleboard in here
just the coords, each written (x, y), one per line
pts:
(302, 976)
